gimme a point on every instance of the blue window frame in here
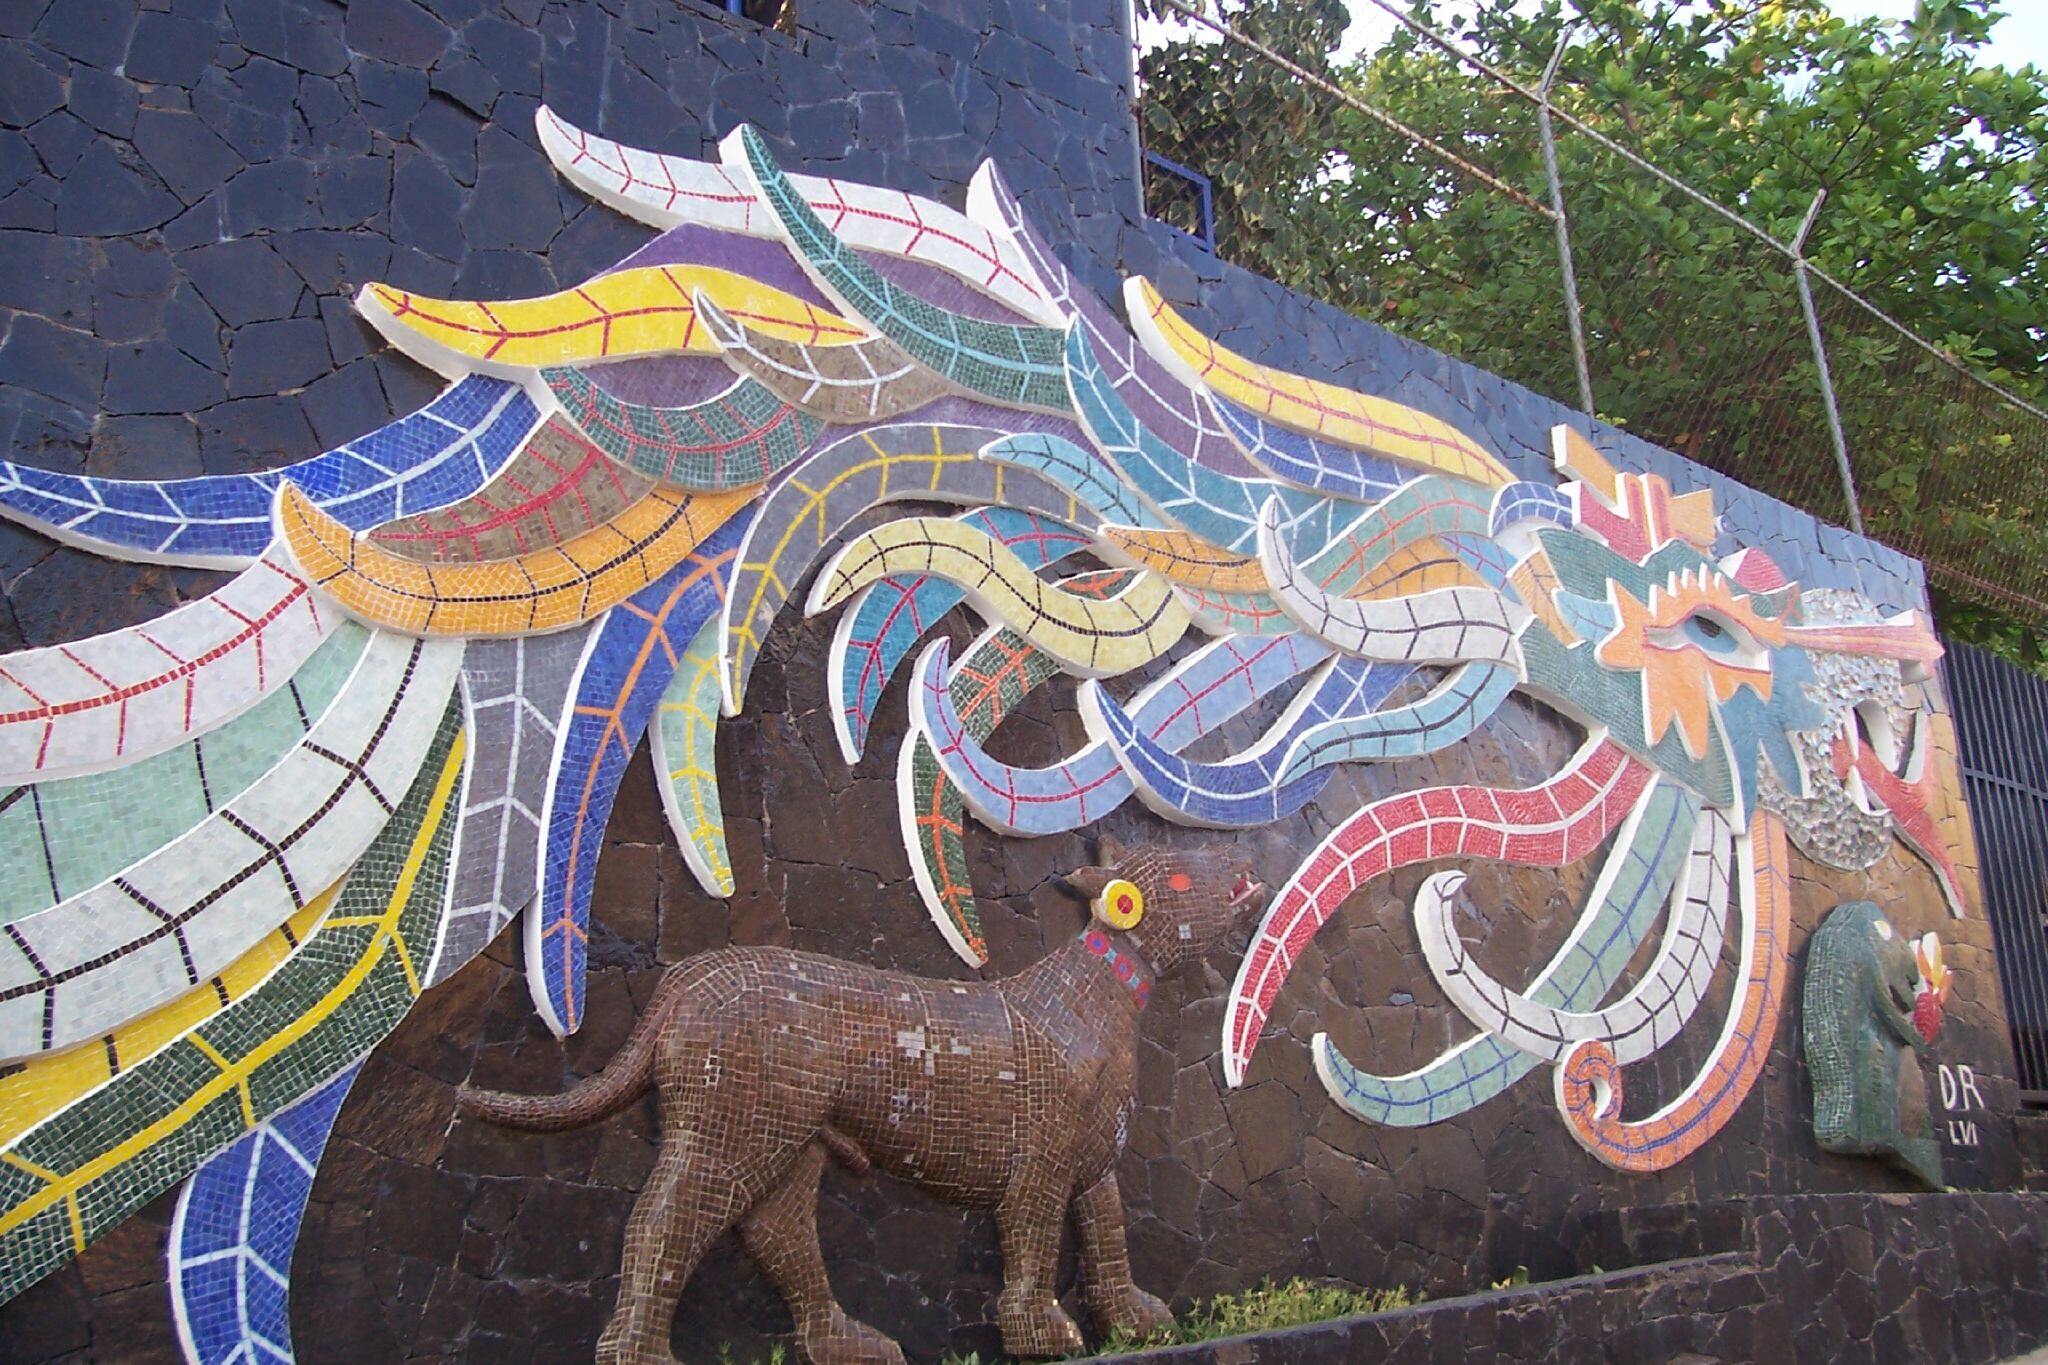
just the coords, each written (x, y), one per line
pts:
(1184, 202)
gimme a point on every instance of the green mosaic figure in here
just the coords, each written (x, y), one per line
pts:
(1863, 986)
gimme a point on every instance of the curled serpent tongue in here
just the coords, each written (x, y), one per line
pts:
(1246, 887)
(1927, 1014)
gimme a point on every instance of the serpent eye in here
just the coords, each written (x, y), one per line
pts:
(1715, 635)
(1710, 634)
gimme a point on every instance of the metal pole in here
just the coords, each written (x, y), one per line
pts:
(1564, 233)
(1137, 125)
(1820, 360)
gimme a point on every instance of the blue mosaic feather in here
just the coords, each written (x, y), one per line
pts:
(1247, 790)
(230, 1252)
(619, 685)
(1078, 471)
(438, 455)
(1526, 502)
(1307, 461)
(1203, 691)
(1465, 700)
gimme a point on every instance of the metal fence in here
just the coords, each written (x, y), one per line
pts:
(2002, 730)
(1650, 305)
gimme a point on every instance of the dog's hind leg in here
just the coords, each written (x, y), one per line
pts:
(687, 1202)
(781, 1233)
(1121, 1309)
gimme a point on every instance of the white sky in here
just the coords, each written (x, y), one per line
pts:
(2021, 37)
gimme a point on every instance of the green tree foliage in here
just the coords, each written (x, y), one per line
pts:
(1935, 211)
(1263, 136)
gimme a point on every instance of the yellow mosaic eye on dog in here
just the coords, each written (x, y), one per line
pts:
(1121, 905)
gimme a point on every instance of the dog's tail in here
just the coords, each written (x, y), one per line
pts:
(625, 1078)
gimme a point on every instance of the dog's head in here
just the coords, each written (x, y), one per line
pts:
(1178, 905)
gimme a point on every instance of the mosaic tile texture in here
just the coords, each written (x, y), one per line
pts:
(607, 524)
(513, 695)
(1548, 826)
(868, 381)
(993, 676)
(558, 487)
(1185, 558)
(669, 190)
(1257, 786)
(1654, 856)
(1465, 700)
(43, 1085)
(442, 453)
(1015, 365)
(1090, 637)
(1862, 1037)
(1166, 405)
(1306, 405)
(1080, 472)
(881, 627)
(808, 511)
(545, 589)
(1589, 1088)
(1222, 510)
(1439, 626)
(619, 684)
(741, 436)
(685, 747)
(1636, 878)
(1307, 461)
(62, 837)
(1011, 1096)
(230, 1253)
(90, 1166)
(643, 311)
(1191, 700)
(94, 960)
(130, 694)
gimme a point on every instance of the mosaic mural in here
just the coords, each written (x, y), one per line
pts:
(242, 839)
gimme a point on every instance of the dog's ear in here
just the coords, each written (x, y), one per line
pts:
(1109, 851)
(1088, 882)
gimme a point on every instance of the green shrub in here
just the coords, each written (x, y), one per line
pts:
(1264, 1309)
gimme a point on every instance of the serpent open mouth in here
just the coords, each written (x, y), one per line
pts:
(1244, 888)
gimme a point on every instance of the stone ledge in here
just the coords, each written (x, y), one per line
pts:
(1955, 1277)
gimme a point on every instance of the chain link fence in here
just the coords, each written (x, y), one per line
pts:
(1528, 241)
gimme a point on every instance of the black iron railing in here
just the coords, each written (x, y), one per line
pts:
(2002, 730)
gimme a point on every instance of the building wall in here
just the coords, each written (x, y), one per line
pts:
(192, 191)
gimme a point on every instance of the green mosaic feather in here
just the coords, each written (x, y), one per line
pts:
(61, 837)
(68, 1180)
(739, 436)
(1018, 365)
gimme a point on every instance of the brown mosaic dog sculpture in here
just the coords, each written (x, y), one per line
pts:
(1011, 1096)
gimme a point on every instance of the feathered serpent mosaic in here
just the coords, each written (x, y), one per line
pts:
(241, 840)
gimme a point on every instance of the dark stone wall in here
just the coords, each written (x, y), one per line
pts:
(189, 192)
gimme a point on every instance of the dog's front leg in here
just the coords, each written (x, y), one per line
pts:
(1121, 1309)
(1030, 1220)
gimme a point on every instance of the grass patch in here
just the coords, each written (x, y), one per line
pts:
(1267, 1308)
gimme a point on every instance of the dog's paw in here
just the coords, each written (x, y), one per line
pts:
(1131, 1313)
(840, 1340)
(1037, 1326)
